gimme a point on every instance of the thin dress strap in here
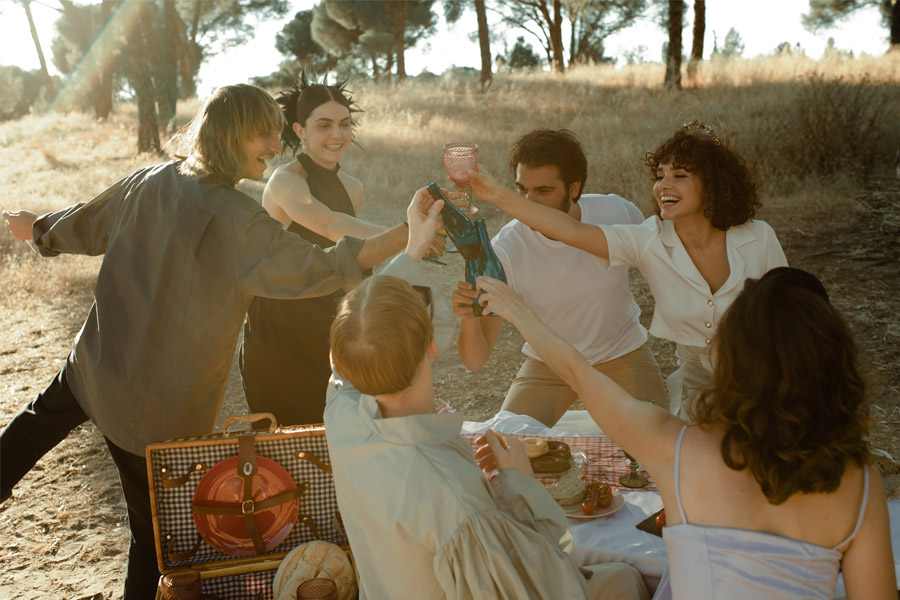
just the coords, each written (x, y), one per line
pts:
(677, 468)
(862, 508)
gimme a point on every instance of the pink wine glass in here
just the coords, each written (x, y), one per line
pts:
(459, 159)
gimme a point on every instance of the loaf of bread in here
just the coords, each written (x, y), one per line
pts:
(570, 489)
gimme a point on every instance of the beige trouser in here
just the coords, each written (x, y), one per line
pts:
(615, 581)
(540, 393)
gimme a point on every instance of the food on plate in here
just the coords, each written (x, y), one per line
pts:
(598, 495)
(557, 459)
(569, 489)
(535, 447)
(559, 448)
(550, 463)
(661, 519)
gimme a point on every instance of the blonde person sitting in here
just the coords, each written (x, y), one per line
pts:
(421, 517)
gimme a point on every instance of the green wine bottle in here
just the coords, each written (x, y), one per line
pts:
(457, 225)
(487, 264)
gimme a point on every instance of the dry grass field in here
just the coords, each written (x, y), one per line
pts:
(820, 136)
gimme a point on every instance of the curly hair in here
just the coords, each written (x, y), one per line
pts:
(730, 192)
(786, 388)
(299, 102)
(559, 148)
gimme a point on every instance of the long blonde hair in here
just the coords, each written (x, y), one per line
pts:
(212, 143)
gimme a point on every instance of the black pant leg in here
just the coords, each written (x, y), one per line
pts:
(36, 429)
(142, 576)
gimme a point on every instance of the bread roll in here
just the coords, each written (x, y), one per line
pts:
(569, 489)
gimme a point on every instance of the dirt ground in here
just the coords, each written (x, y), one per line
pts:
(64, 534)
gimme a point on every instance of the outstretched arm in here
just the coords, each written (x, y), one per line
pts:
(609, 405)
(553, 223)
(424, 220)
(288, 193)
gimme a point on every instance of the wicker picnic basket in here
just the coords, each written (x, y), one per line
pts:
(283, 496)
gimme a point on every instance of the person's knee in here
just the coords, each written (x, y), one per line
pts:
(616, 581)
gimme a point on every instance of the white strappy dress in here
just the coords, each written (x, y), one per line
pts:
(738, 564)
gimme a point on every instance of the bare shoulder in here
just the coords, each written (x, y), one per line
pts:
(350, 182)
(289, 178)
(354, 188)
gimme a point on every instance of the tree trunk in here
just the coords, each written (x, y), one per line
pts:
(556, 43)
(140, 71)
(895, 24)
(697, 39)
(167, 67)
(397, 10)
(484, 42)
(673, 57)
(48, 81)
(102, 71)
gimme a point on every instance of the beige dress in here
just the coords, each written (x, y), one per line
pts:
(424, 522)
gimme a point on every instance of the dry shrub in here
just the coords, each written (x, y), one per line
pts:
(835, 125)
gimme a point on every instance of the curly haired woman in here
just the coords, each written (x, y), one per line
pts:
(695, 253)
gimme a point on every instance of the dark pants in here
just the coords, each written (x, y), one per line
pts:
(42, 424)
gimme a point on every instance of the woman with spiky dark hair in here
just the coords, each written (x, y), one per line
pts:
(284, 357)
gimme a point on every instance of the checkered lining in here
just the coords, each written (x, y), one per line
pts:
(604, 459)
(172, 514)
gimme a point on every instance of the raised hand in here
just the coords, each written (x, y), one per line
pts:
(497, 451)
(486, 187)
(424, 219)
(500, 299)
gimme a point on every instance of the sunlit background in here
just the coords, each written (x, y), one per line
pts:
(761, 24)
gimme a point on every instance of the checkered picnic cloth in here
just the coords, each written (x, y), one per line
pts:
(173, 518)
(605, 460)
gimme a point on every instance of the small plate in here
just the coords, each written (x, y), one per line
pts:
(574, 511)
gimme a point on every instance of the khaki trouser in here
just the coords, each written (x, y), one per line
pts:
(540, 393)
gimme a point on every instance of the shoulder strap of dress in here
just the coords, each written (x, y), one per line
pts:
(677, 468)
(862, 508)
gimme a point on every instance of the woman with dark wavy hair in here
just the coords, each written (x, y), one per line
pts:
(769, 493)
(284, 357)
(695, 253)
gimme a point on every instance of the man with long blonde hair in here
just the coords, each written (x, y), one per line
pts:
(184, 253)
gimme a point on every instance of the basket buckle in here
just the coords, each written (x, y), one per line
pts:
(247, 507)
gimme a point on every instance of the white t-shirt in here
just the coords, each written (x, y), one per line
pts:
(587, 305)
(686, 311)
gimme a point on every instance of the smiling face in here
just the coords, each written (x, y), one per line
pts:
(678, 192)
(544, 186)
(326, 134)
(259, 149)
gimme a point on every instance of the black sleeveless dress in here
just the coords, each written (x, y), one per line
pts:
(284, 356)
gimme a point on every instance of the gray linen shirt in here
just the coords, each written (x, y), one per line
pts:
(183, 257)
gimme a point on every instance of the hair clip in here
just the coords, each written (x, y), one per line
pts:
(699, 128)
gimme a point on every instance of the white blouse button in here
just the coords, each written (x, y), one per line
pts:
(708, 324)
(708, 341)
(710, 303)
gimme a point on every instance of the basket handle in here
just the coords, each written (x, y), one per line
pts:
(252, 418)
